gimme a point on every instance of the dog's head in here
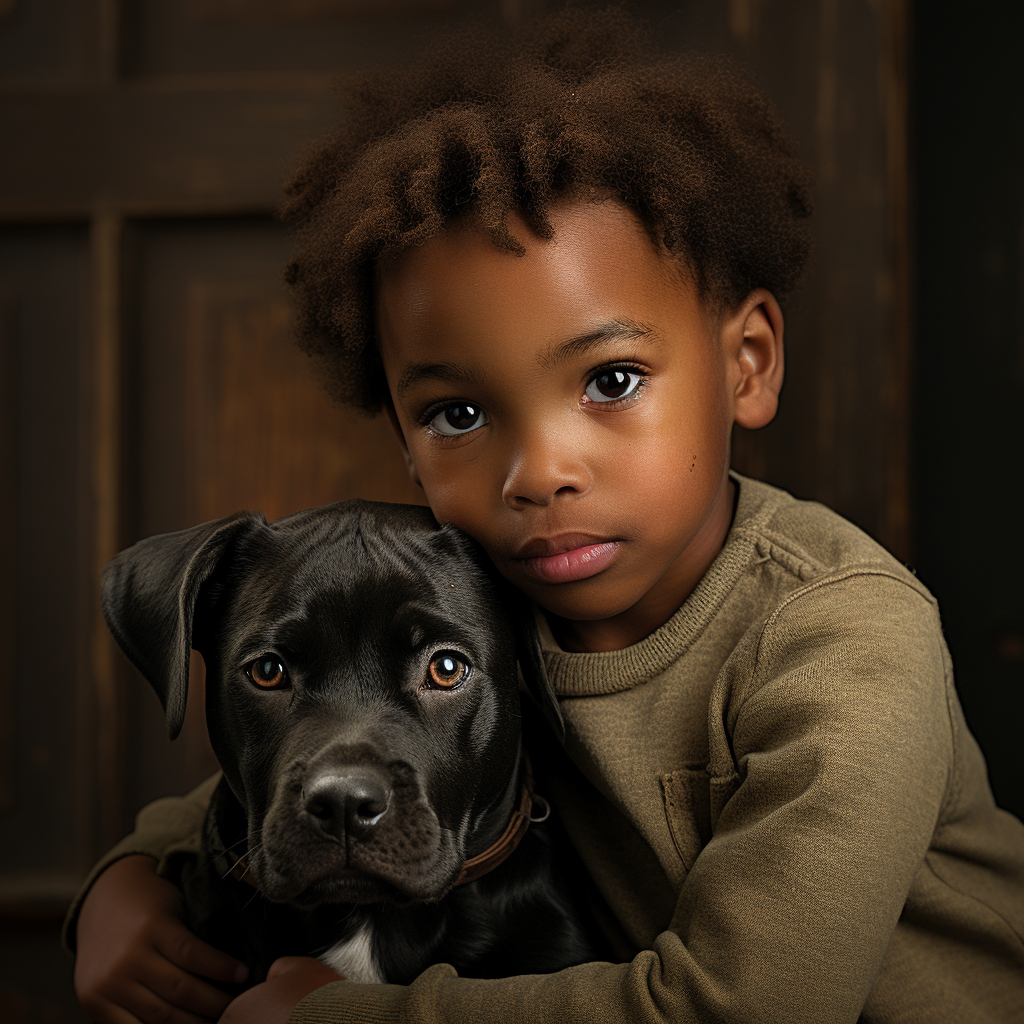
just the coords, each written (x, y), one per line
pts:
(362, 695)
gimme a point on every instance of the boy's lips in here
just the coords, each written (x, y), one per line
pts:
(566, 558)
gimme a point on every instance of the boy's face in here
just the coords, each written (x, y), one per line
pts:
(571, 410)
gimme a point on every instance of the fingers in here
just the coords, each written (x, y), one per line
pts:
(178, 945)
(180, 989)
(147, 1007)
(135, 1004)
(108, 1013)
(289, 980)
(175, 998)
(137, 963)
(285, 964)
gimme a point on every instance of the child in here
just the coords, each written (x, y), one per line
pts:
(558, 270)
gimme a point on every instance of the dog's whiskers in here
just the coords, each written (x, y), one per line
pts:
(244, 858)
(244, 839)
(248, 902)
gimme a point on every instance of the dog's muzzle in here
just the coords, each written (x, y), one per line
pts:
(344, 804)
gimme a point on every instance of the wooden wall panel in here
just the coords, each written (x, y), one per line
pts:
(841, 432)
(170, 148)
(260, 433)
(41, 41)
(167, 37)
(8, 537)
(969, 443)
(283, 12)
(44, 271)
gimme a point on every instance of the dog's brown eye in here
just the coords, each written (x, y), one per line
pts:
(447, 670)
(267, 672)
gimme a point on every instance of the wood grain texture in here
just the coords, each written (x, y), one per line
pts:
(899, 293)
(104, 369)
(246, 12)
(8, 537)
(260, 433)
(841, 432)
(152, 150)
(44, 816)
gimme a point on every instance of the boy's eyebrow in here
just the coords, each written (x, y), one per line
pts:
(611, 330)
(449, 373)
(452, 373)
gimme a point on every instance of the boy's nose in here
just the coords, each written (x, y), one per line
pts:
(545, 471)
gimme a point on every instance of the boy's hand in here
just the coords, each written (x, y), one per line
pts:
(136, 960)
(288, 980)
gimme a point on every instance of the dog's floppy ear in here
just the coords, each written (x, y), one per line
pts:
(531, 658)
(531, 662)
(149, 598)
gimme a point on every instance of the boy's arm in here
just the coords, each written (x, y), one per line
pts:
(844, 749)
(163, 829)
(136, 960)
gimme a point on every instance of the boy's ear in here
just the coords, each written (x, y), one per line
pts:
(389, 408)
(150, 594)
(752, 338)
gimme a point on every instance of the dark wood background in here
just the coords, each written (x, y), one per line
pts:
(150, 384)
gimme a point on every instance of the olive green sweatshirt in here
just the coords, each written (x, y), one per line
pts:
(778, 800)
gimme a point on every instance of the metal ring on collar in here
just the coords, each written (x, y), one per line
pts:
(538, 799)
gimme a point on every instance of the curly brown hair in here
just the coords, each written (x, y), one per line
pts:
(581, 104)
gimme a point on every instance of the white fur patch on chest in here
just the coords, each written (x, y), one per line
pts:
(353, 958)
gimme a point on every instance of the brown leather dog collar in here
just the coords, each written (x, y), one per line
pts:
(497, 853)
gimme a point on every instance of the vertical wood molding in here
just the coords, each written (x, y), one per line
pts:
(109, 41)
(743, 17)
(899, 390)
(8, 535)
(101, 42)
(257, 12)
(515, 12)
(828, 448)
(105, 417)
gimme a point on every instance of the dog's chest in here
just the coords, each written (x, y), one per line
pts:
(353, 959)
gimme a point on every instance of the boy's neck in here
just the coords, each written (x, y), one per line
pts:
(663, 600)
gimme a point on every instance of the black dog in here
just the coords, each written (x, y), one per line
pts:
(362, 699)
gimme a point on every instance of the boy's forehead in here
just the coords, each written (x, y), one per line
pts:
(600, 265)
(594, 232)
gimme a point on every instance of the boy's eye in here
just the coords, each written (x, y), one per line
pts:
(458, 418)
(611, 385)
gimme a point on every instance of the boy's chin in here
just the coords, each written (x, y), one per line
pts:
(590, 600)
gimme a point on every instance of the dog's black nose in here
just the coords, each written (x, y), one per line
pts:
(343, 802)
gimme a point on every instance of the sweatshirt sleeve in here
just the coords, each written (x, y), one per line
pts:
(835, 758)
(165, 829)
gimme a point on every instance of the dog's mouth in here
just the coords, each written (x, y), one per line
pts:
(346, 886)
(328, 876)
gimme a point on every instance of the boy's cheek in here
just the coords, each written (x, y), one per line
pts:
(451, 500)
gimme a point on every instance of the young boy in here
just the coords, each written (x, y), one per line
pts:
(558, 271)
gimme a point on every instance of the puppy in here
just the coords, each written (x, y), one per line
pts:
(363, 702)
